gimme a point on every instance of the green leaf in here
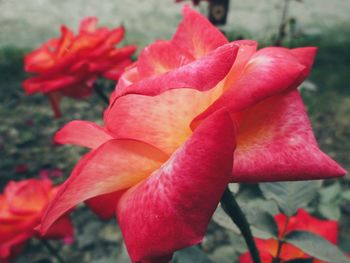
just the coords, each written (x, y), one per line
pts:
(189, 255)
(260, 220)
(330, 211)
(290, 195)
(262, 223)
(346, 195)
(269, 206)
(330, 193)
(222, 219)
(317, 247)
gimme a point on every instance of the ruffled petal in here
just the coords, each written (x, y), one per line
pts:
(276, 143)
(130, 76)
(88, 25)
(160, 57)
(162, 120)
(196, 35)
(172, 208)
(306, 56)
(39, 60)
(117, 70)
(39, 84)
(202, 74)
(268, 72)
(83, 133)
(106, 42)
(65, 42)
(246, 50)
(116, 165)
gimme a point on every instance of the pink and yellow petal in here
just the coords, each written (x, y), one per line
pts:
(162, 120)
(115, 165)
(201, 74)
(174, 205)
(196, 35)
(246, 49)
(268, 72)
(160, 57)
(82, 133)
(276, 143)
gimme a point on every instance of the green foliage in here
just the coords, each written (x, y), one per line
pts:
(331, 198)
(191, 254)
(291, 195)
(262, 223)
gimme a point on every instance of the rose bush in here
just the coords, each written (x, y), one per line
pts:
(302, 221)
(168, 147)
(21, 206)
(69, 65)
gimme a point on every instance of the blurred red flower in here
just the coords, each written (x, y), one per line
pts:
(21, 207)
(302, 221)
(69, 65)
(50, 173)
(21, 168)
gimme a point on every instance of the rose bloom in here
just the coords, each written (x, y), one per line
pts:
(193, 114)
(21, 206)
(69, 65)
(302, 221)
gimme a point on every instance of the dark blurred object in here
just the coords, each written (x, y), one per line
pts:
(218, 10)
(195, 2)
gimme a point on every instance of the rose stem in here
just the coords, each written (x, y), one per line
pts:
(52, 250)
(232, 209)
(276, 259)
(282, 27)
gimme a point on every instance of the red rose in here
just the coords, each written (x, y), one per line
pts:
(69, 65)
(21, 208)
(166, 152)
